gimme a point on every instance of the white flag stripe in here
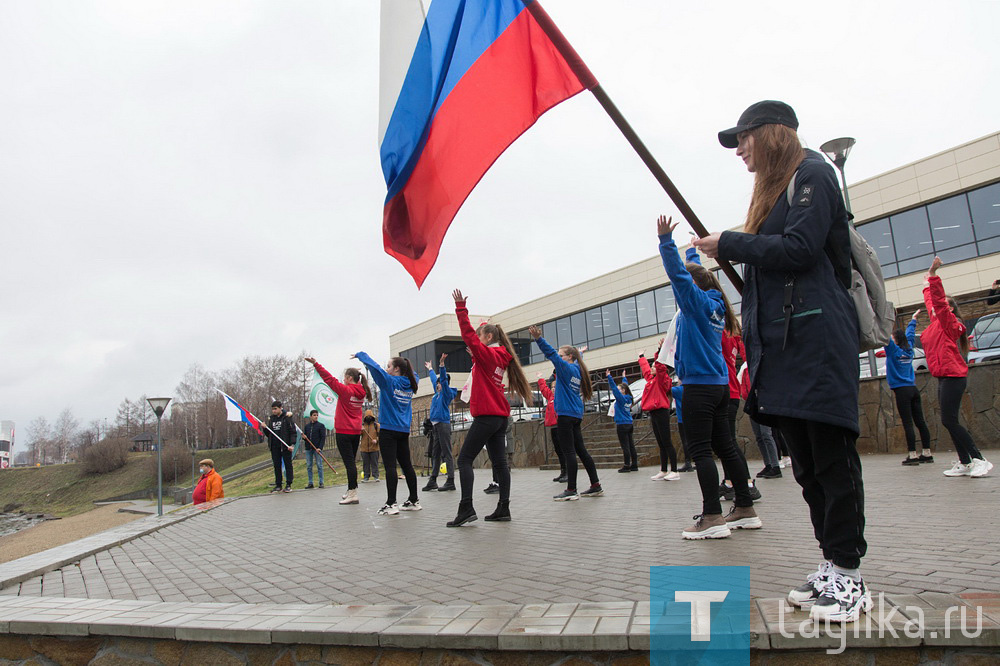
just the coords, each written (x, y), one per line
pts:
(401, 23)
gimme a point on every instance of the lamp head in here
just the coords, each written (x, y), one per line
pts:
(159, 405)
(838, 150)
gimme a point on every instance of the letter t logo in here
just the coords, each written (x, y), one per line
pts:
(701, 610)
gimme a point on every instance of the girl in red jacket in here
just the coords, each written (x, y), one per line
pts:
(656, 401)
(351, 396)
(551, 420)
(732, 346)
(946, 342)
(492, 356)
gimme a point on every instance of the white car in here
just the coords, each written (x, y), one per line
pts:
(986, 337)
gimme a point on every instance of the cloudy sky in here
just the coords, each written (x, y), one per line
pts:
(194, 181)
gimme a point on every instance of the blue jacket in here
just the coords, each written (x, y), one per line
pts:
(678, 393)
(899, 361)
(440, 411)
(623, 403)
(698, 357)
(568, 382)
(394, 412)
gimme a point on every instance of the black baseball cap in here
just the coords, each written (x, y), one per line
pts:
(768, 112)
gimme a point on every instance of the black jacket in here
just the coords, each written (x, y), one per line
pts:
(805, 247)
(316, 432)
(283, 426)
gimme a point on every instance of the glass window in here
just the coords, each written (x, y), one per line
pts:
(630, 335)
(950, 223)
(914, 265)
(563, 336)
(889, 270)
(647, 331)
(958, 253)
(609, 315)
(730, 291)
(595, 325)
(579, 327)
(912, 234)
(665, 306)
(985, 206)
(612, 340)
(879, 236)
(550, 332)
(645, 305)
(989, 246)
(627, 315)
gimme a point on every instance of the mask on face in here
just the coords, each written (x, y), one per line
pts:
(203, 470)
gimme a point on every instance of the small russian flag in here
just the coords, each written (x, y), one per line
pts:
(237, 412)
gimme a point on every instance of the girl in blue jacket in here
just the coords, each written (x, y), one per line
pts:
(899, 374)
(573, 386)
(440, 417)
(704, 313)
(623, 423)
(397, 384)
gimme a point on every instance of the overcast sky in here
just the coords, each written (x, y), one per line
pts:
(194, 181)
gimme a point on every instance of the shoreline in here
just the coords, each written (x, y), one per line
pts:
(51, 533)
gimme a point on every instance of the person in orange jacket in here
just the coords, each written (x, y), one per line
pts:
(209, 486)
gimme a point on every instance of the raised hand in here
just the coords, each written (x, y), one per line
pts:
(310, 359)
(916, 313)
(534, 332)
(935, 265)
(665, 225)
(443, 357)
(457, 295)
(427, 364)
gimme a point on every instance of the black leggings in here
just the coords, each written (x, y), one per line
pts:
(571, 438)
(485, 431)
(684, 444)
(950, 391)
(779, 442)
(660, 420)
(704, 413)
(559, 452)
(826, 465)
(732, 411)
(627, 441)
(348, 447)
(395, 446)
(911, 411)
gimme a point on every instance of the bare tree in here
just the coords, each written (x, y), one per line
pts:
(64, 434)
(39, 438)
(125, 419)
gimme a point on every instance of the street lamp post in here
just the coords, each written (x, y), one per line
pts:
(838, 150)
(159, 406)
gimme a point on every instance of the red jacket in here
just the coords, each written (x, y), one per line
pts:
(656, 394)
(550, 403)
(350, 402)
(744, 377)
(488, 365)
(940, 338)
(731, 346)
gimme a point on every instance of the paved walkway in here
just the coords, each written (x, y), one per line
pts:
(925, 532)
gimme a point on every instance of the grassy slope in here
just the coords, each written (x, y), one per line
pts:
(63, 490)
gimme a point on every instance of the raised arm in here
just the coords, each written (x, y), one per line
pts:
(691, 300)
(911, 330)
(543, 388)
(379, 375)
(336, 386)
(478, 350)
(647, 374)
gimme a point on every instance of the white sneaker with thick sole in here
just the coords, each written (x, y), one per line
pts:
(389, 510)
(659, 476)
(958, 469)
(978, 468)
(672, 476)
(411, 506)
(804, 596)
(702, 529)
(843, 600)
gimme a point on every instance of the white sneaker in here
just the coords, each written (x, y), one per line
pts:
(672, 476)
(389, 510)
(843, 600)
(411, 506)
(785, 462)
(816, 583)
(979, 468)
(659, 476)
(958, 469)
(351, 497)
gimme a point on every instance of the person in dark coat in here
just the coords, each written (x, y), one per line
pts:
(280, 436)
(801, 338)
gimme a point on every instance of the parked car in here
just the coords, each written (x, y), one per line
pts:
(985, 339)
(919, 362)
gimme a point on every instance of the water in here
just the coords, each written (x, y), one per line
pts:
(13, 522)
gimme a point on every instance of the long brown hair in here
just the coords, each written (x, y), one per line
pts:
(586, 386)
(405, 369)
(963, 339)
(777, 153)
(706, 280)
(516, 381)
(358, 376)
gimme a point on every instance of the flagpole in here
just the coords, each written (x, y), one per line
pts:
(590, 82)
(319, 451)
(276, 435)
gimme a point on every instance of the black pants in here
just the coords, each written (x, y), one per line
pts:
(281, 456)
(732, 411)
(394, 446)
(911, 411)
(779, 442)
(950, 391)
(571, 438)
(660, 420)
(559, 452)
(627, 441)
(684, 444)
(485, 431)
(707, 430)
(348, 447)
(826, 465)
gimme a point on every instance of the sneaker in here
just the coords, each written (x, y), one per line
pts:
(979, 468)
(288, 489)
(958, 469)
(276, 489)
(431, 485)
(658, 476)
(754, 492)
(743, 518)
(785, 462)
(624, 470)
(310, 487)
(492, 489)
(593, 491)
(351, 497)
(411, 506)
(633, 468)
(389, 510)
(842, 600)
(321, 485)
(769, 472)
(925, 459)
(711, 526)
(686, 467)
(567, 496)
(561, 478)
(910, 462)
(805, 595)
(448, 485)
(376, 480)
(726, 492)
(672, 476)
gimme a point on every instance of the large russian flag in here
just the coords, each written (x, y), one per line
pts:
(460, 81)
(237, 412)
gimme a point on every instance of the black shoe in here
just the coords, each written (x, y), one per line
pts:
(502, 514)
(431, 485)
(754, 493)
(688, 467)
(492, 489)
(310, 486)
(594, 491)
(448, 485)
(726, 492)
(925, 459)
(624, 470)
(561, 478)
(769, 472)
(911, 462)
(633, 468)
(276, 489)
(288, 489)
(466, 514)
